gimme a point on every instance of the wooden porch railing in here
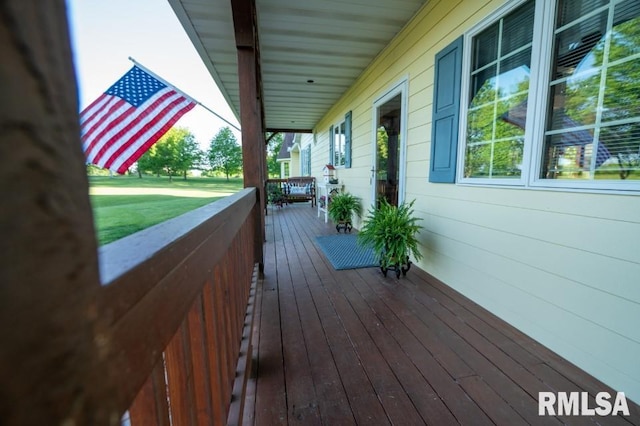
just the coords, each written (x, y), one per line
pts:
(175, 296)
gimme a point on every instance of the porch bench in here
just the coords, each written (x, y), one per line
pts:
(293, 189)
(300, 188)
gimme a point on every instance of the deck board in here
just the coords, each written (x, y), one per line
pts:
(354, 347)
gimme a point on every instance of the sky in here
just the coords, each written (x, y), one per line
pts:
(105, 33)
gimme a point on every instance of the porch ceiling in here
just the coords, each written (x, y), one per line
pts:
(329, 42)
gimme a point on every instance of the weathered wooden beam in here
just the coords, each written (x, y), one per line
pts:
(48, 260)
(251, 112)
(288, 130)
(243, 22)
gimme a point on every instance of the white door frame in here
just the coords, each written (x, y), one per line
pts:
(401, 87)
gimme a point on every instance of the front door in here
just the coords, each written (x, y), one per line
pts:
(388, 167)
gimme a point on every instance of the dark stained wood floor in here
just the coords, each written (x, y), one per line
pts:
(352, 347)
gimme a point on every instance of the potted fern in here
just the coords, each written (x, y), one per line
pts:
(341, 209)
(391, 232)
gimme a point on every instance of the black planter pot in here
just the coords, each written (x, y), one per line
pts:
(346, 225)
(399, 268)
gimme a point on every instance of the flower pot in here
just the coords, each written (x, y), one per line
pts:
(399, 268)
(344, 224)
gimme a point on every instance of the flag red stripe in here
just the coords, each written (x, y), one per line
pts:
(153, 139)
(112, 117)
(171, 113)
(122, 133)
(95, 118)
(95, 105)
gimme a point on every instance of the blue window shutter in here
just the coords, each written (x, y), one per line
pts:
(446, 113)
(347, 140)
(309, 160)
(331, 146)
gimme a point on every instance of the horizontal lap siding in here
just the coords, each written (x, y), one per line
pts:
(568, 280)
(563, 267)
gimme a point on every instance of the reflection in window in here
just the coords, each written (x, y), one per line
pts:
(339, 142)
(499, 93)
(305, 161)
(593, 125)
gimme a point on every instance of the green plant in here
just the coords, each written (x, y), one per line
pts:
(391, 232)
(275, 194)
(343, 206)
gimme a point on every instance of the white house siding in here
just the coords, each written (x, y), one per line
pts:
(562, 266)
(295, 163)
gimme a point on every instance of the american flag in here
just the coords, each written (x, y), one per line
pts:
(125, 121)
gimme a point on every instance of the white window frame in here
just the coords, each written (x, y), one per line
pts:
(541, 55)
(343, 145)
(305, 167)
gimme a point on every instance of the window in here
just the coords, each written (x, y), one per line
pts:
(305, 161)
(338, 145)
(593, 124)
(570, 119)
(499, 88)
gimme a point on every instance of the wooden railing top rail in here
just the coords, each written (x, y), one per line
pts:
(122, 256)
(150, 280)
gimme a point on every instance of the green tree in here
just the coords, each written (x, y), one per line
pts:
(273, 149)
(175, 153)
(225, 155)
(148, 162)
(189, 154)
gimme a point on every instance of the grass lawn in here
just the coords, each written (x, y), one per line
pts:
(123, 205)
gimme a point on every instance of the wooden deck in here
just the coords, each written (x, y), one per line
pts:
(351, 347)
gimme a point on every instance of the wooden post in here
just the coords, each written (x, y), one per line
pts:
(251, 113)
(48, 256)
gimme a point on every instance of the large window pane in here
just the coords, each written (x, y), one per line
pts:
(568, 155)
(480, 124)
(574, 46)
(593, 122)
(625, 35)
(478, 164)
(574, 101)
(622, 96)
(483, 86)
(339, 141)
(619, 152)
(514, 74)
(518, 28)
(507, 158)
(571, 10)
(499, 93)
(485, 47)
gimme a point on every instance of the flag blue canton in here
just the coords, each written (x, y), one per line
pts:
(135, 87)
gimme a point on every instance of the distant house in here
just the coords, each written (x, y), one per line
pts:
(289, 156)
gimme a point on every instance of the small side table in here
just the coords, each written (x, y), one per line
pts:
(327, 190)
